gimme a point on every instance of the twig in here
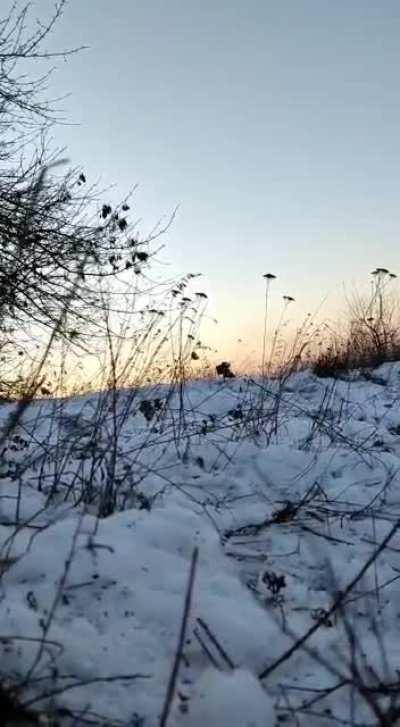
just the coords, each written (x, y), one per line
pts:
(83, 683)
(182, 633)
(330, 538)
(205, 648)
(216, 643)
(336, 604)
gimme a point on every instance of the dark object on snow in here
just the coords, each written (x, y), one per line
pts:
(149, 408)
(286, 514)
(224, 369)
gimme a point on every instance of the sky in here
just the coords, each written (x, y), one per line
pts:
(273, 125)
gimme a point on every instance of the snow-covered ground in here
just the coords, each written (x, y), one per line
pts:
(285, 490)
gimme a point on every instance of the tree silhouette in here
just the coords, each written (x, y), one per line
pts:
(55, 233)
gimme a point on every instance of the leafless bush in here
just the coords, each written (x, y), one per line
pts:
(372, 333)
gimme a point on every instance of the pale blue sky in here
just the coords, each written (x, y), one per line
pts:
(275, 124)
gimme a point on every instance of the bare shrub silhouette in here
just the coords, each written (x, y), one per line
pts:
(372, 333)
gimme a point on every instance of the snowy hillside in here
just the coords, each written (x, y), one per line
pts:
(286, 489)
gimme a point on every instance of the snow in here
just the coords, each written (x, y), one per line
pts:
(286, 493)
(237, 696)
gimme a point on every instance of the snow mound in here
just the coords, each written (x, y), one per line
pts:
(230, 700)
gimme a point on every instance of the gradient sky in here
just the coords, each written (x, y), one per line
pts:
(274, 124)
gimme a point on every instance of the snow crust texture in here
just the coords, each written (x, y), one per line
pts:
(286, 488)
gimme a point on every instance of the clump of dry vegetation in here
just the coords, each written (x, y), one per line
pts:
(372, 333)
